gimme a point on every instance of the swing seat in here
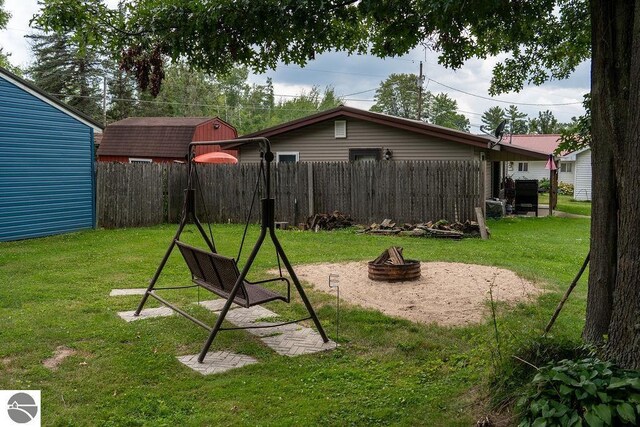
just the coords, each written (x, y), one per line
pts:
(218, 274)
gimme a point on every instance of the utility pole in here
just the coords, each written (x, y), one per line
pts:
(104, 101)
(420, 82)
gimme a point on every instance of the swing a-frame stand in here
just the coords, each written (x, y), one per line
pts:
(220, 274)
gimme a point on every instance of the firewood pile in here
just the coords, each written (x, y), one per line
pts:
(326, 221)
(391, 266)
(392, 256)
(440, 229)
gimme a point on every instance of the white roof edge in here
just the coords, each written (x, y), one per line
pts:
(27, 89)
(571, 157)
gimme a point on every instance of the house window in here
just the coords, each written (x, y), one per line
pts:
(566, 167)
(138, 160)
(287, 157)
(523, 167)
(364, 154)
(340, 128)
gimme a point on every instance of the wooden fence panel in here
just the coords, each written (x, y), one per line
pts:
(147, 194)
(129, 194)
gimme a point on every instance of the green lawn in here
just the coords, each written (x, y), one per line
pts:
(54, 292)
(568, 204)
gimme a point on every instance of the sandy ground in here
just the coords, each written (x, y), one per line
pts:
(449, 294)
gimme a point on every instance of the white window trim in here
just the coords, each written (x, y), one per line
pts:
(139, 160)
(287, 153)
(523, 166)
(340, 129)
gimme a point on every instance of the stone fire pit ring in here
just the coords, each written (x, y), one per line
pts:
(408, 271)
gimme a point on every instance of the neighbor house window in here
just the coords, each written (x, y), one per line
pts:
(523, 167)
(566, 167)
(364, 154)
(340, 128)
(137, 160)
(287, 157)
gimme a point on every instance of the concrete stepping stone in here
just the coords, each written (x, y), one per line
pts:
(287, 340)
(122, 292)
(297, 342)
(147, 313)
(217, 362)
(215, 304)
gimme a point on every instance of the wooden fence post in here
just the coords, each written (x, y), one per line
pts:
(310, 188)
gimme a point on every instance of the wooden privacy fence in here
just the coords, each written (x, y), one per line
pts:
(138, 194)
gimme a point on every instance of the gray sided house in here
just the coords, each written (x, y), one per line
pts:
(345, 134)
(47, 179)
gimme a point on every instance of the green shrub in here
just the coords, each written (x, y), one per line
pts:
(566, 189)
(513, 375)
(544, 185)
(582, 392)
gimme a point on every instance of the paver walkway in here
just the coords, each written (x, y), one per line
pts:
(217, 362)
(123, 292)
(287, 340)
(147, 313)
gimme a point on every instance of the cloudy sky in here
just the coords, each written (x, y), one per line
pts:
(356, 77)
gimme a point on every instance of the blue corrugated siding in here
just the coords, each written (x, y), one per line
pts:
(46, 168)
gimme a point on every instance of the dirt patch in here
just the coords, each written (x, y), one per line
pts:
(449, 294)
(60, 354)
(6, 361)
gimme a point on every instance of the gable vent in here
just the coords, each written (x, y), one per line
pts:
(340, 128)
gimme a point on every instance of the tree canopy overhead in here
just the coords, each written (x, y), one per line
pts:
(216, 35)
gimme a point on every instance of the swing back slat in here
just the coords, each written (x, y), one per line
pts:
(219, 274)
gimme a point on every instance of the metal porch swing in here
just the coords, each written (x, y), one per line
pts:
(220, 274)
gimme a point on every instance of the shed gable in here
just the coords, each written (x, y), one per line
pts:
(46, 167)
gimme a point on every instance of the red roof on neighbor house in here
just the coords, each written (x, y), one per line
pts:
(545, 144)
(166, 137)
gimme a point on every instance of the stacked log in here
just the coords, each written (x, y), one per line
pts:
(324, 221)
(439, 229)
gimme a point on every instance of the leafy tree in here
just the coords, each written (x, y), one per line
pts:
(304, 105)
(69, 70)
(399, 96)
(4, 57)
(442, 111)
(517, 124)
(186, 93)
(493, 117)
(577, 134)
(543, 39)
(545, 123)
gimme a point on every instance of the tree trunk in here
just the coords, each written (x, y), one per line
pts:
(613, 305)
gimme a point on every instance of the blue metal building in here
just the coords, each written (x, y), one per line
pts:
(47, 179)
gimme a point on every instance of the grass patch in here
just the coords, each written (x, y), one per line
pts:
(568, 204)
(387, 371)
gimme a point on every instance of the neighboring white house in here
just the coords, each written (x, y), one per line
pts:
(582, 172)
(546, 144)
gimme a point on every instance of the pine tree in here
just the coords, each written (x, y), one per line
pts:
(70, 71)
(516, 119)
(493, 117)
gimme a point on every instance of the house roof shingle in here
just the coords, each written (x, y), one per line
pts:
(545, 143)
(416, 126)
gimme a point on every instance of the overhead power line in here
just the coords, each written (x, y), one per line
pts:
(507, 102)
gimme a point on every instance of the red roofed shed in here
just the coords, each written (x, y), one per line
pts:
(162, 139)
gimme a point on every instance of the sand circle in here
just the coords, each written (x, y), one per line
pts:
(449, 294)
